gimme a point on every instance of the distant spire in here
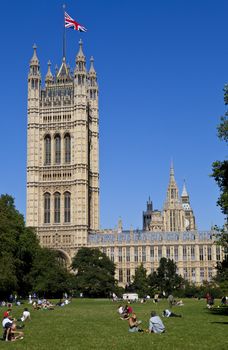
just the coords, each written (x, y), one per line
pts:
(80, 54)
(49, 76)
(92, 70)
(184, 191)
(172, 179)
(34, 60)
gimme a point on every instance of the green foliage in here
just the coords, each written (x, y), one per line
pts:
(47, 277)
(94, 273)
(220, 174)
(165, 278)
(140, 282)
(222, 276)
(24, 265)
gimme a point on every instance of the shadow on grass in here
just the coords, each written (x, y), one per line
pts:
(219, 322)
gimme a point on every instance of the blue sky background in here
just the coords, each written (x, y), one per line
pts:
(161, 66)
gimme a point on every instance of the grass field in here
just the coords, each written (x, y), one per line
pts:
(94, 324)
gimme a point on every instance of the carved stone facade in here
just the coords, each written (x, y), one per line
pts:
(63, 184)
(177, 214)
(62, 154)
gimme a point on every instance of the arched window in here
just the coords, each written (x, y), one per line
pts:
(57, 149)
(67, 207)
(67, 148)
(57, 208)
(47, 208)
(47, 148)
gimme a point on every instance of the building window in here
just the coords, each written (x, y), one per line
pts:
(143, 254)
(47, 208)
(218, 255)
(136, 254)
(168, 252)
(151, 253)
(184, 253)
(159, 253)
(176, 253)
(128, 276)
(193, 274)
(120, 275)
(120, 254)
(128, 254)
(47, 148)
(67, 206)
(57, 208)
(112, 254)
(208, 253)
(192, 252)
(209, 273)
(201, 253)
(67, 141)
(185, 273)
(57, 149)
(201, 274)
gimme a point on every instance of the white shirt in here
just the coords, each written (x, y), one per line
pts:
(25, 315)
(120, 310)
(5, 321)
(167, 313)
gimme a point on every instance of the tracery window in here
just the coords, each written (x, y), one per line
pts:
(67, 205)
(47, 208)
(47, 148)
(57, 208)
(57, 149)
(67, 148)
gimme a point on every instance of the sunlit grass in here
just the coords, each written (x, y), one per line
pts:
(95, 324)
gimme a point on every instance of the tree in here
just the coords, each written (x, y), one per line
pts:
(222, 275)
(140, 282)
(47, 276)
(165, 278)
(24, 265)
(17, 247)
(220, 168)
(94, 273)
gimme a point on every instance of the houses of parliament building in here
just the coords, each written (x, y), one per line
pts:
(63, 184)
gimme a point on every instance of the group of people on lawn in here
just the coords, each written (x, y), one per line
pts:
(155, 323)
(12, 326)
(12, 330)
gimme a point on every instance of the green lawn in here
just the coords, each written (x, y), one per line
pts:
(94, 324)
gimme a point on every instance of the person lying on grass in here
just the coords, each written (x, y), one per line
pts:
(168, 313)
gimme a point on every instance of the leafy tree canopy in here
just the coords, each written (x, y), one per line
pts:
(94, 273)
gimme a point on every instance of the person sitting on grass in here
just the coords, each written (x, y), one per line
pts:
(133, 324)
(155, 324)
(10, 332)
(168, 313)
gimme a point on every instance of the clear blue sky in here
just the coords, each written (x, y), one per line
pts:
(161, 66)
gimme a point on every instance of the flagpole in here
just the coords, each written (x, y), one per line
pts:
(64, 33)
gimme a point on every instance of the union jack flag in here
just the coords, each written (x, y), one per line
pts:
(71, 23)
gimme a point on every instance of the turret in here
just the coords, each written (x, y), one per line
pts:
(92, 79)
(34, 76)
(49, 77)
(172, 191)
(80, 68)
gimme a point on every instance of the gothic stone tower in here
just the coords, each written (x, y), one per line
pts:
(62, 156)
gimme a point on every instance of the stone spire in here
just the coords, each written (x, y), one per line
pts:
(92, 70)
(80, 60)
(34, 64)
(49, 76)
(34, 60)
(172, 191)
(184, 191)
